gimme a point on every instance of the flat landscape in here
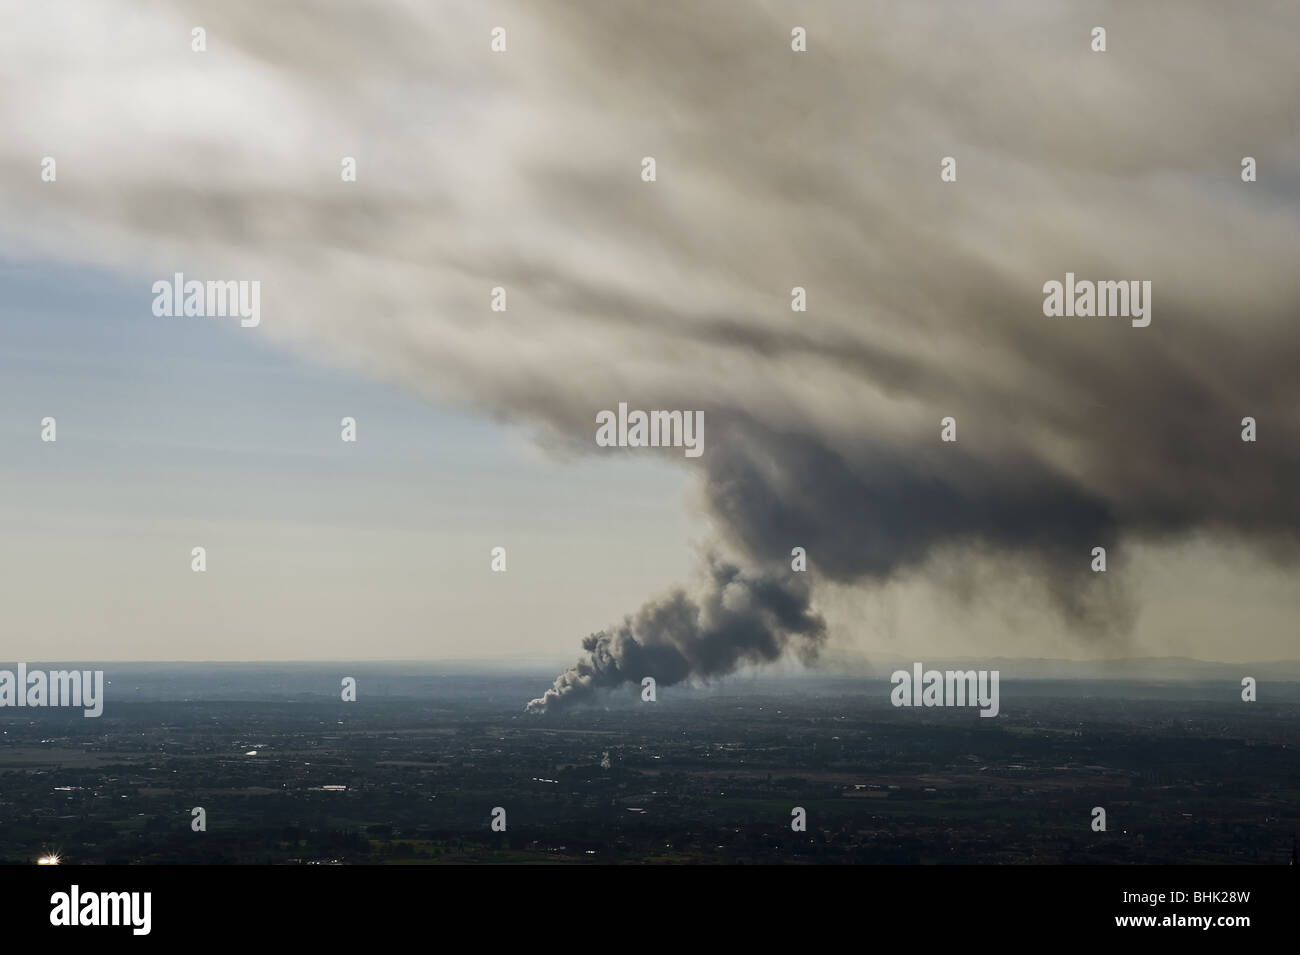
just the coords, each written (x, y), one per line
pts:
(412, 771)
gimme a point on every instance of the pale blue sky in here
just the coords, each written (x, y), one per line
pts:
(176, 432)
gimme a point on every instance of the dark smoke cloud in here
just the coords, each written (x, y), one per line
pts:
(739, 618)
(775, 169)
(869, 515)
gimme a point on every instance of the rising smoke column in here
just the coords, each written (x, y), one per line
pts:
(775, 168)
(865, 515)
(739, 618)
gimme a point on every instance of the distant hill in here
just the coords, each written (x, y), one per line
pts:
(1140, 668)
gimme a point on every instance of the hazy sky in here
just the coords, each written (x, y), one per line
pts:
(523, 169)
(196, 433)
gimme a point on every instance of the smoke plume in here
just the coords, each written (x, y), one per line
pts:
(738, 619)
(776, 169)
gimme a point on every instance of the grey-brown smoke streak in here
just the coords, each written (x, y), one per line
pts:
(775, 169)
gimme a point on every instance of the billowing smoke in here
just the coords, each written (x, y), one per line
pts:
(776, 169)
(739, 618)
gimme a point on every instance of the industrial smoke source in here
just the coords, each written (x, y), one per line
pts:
(738, 619)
